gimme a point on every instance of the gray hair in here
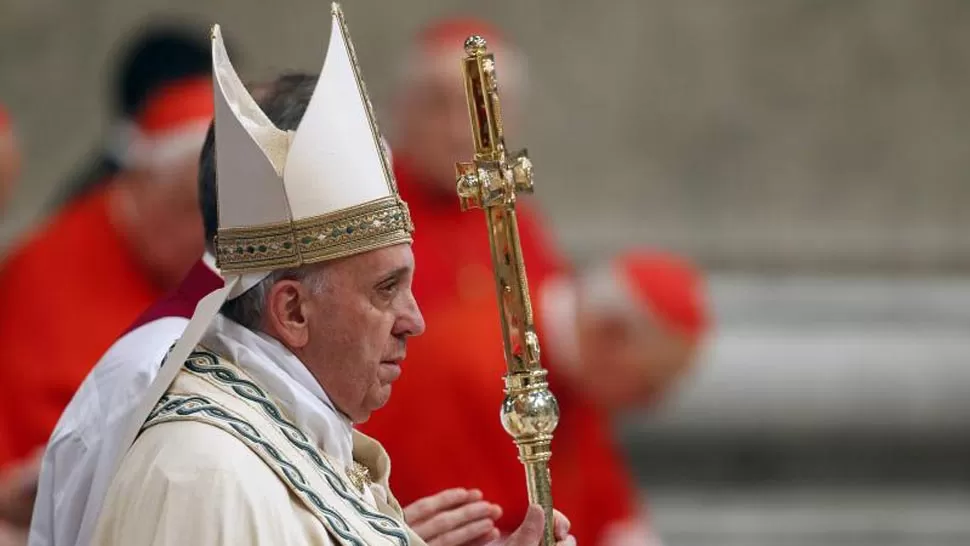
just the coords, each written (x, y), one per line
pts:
(249, 308)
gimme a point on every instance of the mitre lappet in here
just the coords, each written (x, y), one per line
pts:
(291, 198)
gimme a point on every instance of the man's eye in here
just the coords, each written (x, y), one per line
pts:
(388, 287)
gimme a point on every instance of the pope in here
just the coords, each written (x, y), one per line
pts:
(76, 463)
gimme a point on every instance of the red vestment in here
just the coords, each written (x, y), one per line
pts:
(441, 427)
(68, 292)
(182, 300)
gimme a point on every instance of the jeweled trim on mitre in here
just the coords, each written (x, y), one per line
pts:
(270, 246)
(354, 230)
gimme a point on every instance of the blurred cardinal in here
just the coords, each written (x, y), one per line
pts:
(628, 329)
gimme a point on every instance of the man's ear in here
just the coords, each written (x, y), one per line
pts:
(286, 315)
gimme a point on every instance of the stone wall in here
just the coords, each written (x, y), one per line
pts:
(796, 134)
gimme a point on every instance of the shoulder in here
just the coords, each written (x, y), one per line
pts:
(80, 232)
(148, 341)
(61, 230)
(182, 448)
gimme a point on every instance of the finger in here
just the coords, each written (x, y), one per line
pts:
(530, 532)
(424, 508)
(428, 506)
(465, 534)
(485, 539)
(561, 525)
(570, 540)
(453, 519)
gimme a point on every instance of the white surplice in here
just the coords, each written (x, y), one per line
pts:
(75, 471)
(82, 440)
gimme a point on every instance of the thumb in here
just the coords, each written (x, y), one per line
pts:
(531, 530)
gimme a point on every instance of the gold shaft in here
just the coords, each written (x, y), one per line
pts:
(491, 182)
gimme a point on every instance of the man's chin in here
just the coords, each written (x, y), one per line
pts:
(379, 402)
(385, 398)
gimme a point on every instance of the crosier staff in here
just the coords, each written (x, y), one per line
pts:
(491, 182)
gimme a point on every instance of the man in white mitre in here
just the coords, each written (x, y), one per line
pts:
(246, 435)
(78, 463)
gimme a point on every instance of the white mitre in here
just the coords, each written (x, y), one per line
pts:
(288, 199)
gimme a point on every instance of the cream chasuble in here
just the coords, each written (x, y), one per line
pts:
(244, 449)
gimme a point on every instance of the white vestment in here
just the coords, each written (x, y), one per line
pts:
(246, 448)
(76, 466)
(71, 473)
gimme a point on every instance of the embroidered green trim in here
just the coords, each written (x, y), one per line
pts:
(203, 363)
(375, 224)
(174, 408)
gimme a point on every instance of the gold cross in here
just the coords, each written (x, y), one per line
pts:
(359, 475)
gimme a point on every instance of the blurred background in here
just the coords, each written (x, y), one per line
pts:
(810, 155)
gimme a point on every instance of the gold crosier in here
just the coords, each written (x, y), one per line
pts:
(491, 182)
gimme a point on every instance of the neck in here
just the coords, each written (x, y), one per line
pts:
(305, 374)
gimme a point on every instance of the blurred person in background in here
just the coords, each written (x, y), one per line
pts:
(159, 54)
(430, 132)
(459, 361)
(650, 304)
(9, 159)
(71, 288)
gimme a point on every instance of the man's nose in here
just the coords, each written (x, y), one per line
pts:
(412, 321)
(416, 318)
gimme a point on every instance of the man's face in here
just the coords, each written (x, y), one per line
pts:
(628, 361)
(167, 223)
(432, 125)
(358, 325)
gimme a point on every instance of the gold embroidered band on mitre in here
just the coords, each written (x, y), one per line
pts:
(354, 230)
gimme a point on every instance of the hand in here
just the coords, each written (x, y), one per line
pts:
(530, 532)
(454, 517)
(18, 487)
